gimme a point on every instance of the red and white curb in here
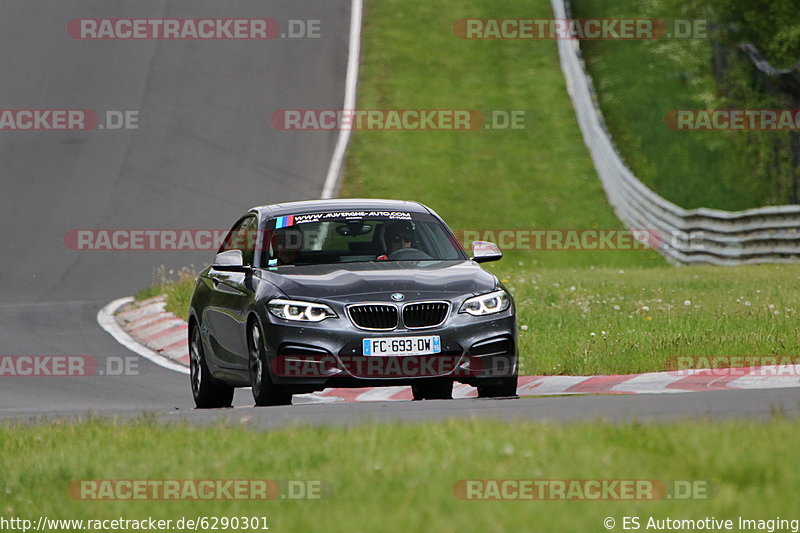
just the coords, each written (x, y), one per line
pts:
(147, 329)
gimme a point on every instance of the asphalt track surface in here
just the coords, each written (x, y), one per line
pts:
(204, 152)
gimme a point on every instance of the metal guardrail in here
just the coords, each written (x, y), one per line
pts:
(761, 235)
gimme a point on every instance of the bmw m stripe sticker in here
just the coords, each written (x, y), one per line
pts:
(282, 222)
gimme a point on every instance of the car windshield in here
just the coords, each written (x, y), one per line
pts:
(327, 238)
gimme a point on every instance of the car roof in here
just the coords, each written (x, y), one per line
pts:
(343, 204)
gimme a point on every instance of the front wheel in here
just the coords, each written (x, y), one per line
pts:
(208, 392)
(506, 388)
(265, 392)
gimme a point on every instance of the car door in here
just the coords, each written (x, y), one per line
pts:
(231, 295)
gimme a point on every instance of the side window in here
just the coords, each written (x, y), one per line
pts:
(242, 237)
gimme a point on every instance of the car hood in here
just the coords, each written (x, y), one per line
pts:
(352, 281)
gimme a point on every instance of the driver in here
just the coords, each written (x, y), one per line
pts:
(286, 244)
(397, 235)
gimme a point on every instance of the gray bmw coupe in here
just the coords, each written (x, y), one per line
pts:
(348, 293)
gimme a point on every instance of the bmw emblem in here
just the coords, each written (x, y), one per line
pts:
(398, 297)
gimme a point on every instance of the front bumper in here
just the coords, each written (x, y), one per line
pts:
(312, 356)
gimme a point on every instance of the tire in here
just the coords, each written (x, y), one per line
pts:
(265, 392)
(437, 390)
(208, 392)
(507, 388)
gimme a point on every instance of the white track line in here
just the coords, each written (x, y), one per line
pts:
(105, 317)
(351, 80)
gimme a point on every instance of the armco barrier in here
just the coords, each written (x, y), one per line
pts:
(761, 235)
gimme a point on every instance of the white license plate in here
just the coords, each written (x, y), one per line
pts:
(403, 345)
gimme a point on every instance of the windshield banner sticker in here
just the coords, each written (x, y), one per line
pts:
(316, 217)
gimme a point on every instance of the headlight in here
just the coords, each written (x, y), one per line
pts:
(300, 311)
(486, 304)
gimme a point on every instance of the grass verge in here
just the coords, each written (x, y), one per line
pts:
(638, 82)
(176, 285)
(395, 484)
(620, 321)
(539, 177)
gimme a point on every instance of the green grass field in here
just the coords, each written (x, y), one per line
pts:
(540, 177)
(389, 477)
(638, 82)
(620, 321)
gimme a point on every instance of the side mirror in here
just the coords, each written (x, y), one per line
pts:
(483, 251)
(230, 261)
